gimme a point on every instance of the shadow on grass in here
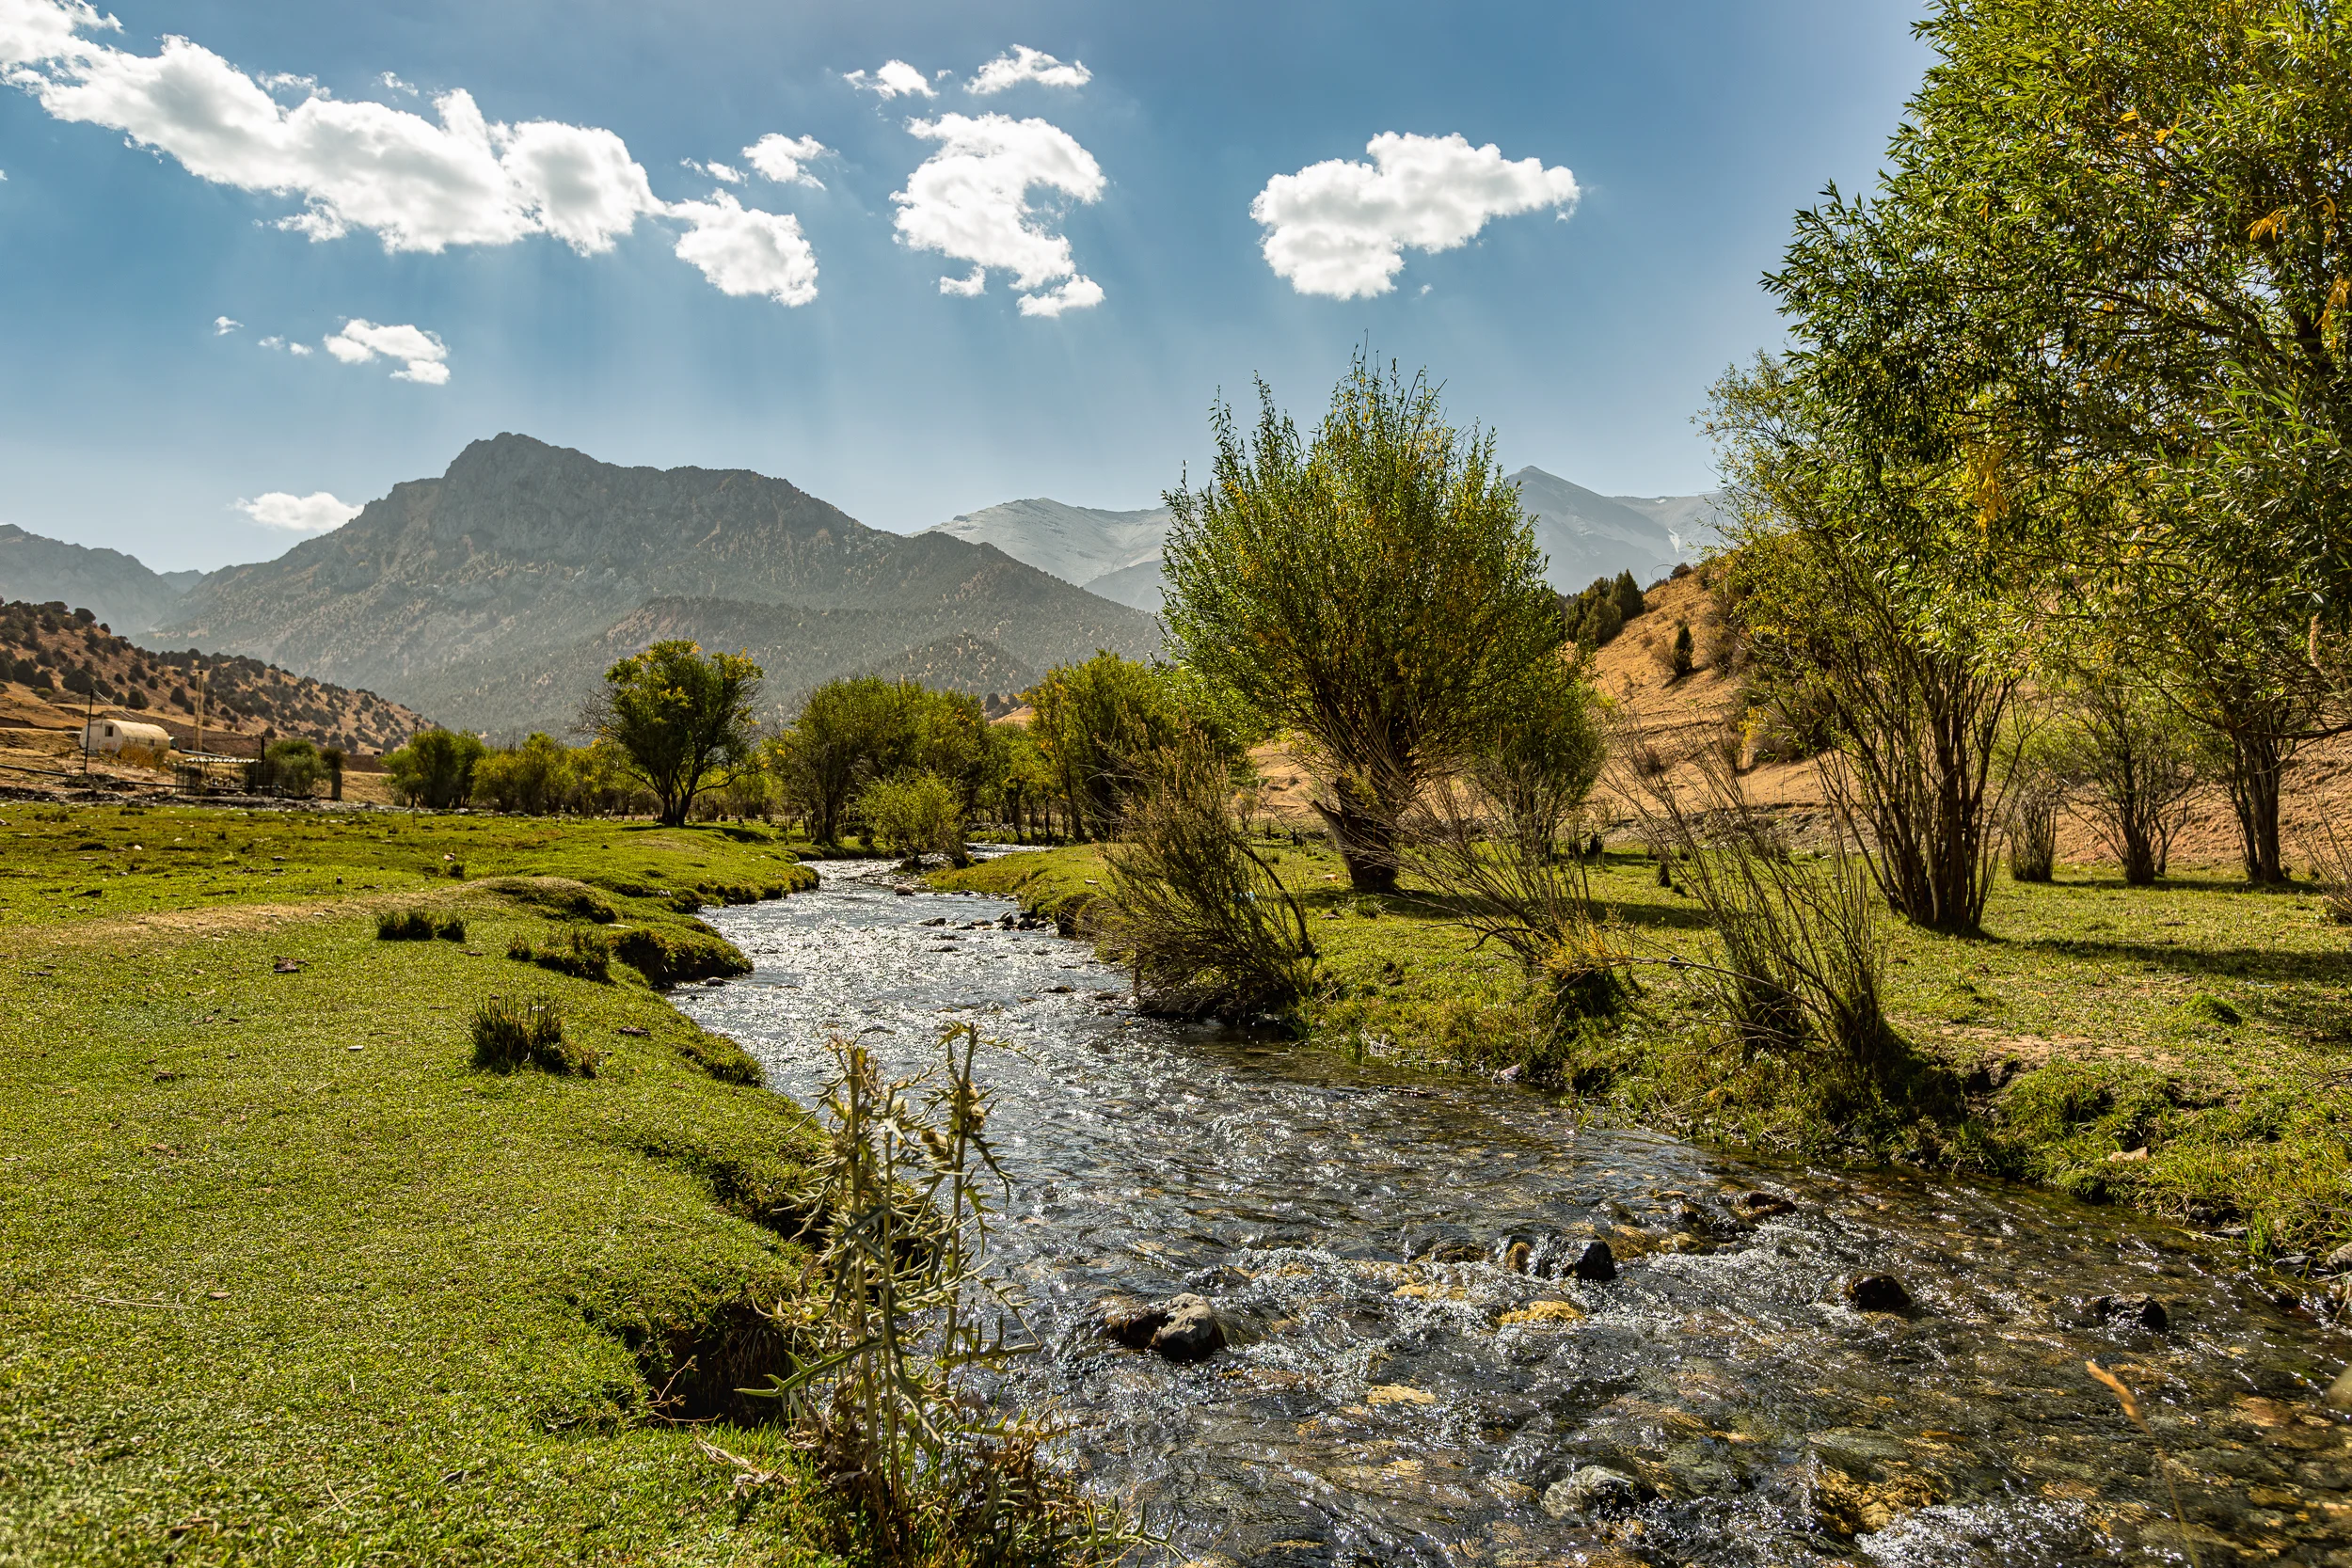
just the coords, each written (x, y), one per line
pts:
(2236, 963)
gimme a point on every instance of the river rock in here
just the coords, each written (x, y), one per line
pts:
(1758, 1204)
(1181, 1329)
(2135, 1311)
(1592, 1260)
(2339, 1395)
(1595, 1489)
(1877, 1293)
(2337, 1261)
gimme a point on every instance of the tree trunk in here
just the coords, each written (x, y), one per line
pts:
(2255, 766)
(1366, 837)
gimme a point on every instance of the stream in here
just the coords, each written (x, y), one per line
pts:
(1378, 1244)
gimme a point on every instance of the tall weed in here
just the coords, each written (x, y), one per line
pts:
(899, 1311)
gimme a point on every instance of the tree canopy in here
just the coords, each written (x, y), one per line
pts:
(1376, 590)
(680, 718)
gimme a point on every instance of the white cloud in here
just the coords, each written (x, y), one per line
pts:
(273, 340)
(745, 251)
(890, 79)
(1021, 64)
(1079, 294)
(969, 200)
(424, 357)
(300, 351)
(1341, 228)
(394, 83)
(417, 184)
(222, 327)
(785, 159)
(315, 512)
(966, 288)
(32, 30)
(723, 173)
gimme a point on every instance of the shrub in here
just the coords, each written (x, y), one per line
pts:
(1206, 922)
(1680, 662)
(450, 929)
(2032, 830)
(511, 1036)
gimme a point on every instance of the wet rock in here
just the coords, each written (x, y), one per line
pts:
(2133, 1311)
(1592, 1260)
(2337, 1261)
(903, 892)
(1760, 1204)
(1181, 1329)
(1592, 1491)
(1190, 1331)
(1443, 1244)
(2339, 1395)
(1845, 1506)
(1877, 1293)
(1515, 1257)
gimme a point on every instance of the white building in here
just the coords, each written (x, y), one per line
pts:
(112, 735)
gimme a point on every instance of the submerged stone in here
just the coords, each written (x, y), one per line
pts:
(2133, 1311)
(1877, 1293)
(1593, 1490)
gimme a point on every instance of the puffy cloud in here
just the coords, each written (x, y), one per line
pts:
(315, 512)
(745, 251)
(1341, 228)
(300, 351)
(1021, 64)
(966, 288)
(890, 79)
(1079, 294)
(725, 174)
(32, 30)
(785, 159)
(969, 200)
(417, 183)
(423, 356)
(222, 327)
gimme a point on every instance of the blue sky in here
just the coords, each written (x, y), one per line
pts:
(1592, 275)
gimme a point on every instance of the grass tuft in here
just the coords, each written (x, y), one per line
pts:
(509, 1037)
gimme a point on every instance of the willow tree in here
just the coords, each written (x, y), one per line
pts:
(1375, 590)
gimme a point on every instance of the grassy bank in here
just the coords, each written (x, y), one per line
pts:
(289, 1279)
(2186, 1048)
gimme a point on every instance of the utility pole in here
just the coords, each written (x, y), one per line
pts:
(200, 705)
(90, 717)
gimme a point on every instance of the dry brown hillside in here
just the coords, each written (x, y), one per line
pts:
(1682, 716)
(57, 665)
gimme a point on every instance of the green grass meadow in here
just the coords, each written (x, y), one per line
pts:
(287, 1279)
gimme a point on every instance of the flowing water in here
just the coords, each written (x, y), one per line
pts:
(1380, 1245)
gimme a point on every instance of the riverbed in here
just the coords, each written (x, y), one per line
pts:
(1414, 1371)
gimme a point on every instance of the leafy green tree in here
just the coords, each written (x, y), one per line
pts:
(681, 719)
(294, 767)
(534, 778)
(1542, 758)
(848, 732)
(435, 768)
(913, 814)
(1375, 591)
(1871, 602)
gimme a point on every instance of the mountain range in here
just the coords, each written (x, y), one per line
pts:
(494, 595)
(1582, 533)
